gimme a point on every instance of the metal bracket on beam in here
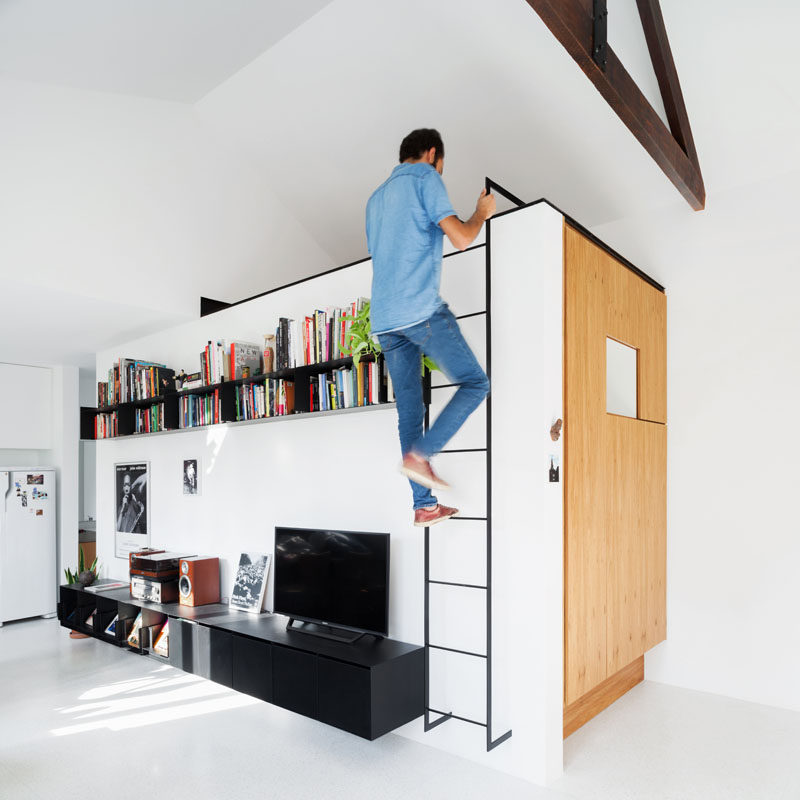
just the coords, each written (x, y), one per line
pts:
(600, 34)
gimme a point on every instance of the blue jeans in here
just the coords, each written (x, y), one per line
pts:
(439, 338)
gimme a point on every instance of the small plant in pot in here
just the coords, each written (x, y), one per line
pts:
(360, 341)
(83, 576)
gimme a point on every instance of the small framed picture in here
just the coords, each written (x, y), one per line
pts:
(191, 476)
(250, 582)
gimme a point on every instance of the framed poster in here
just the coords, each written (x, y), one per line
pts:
(250, 582)
(191, 476)
(132, 509)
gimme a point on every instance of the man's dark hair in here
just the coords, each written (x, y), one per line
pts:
(418, 142)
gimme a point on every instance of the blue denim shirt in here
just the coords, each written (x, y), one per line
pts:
(405, 242)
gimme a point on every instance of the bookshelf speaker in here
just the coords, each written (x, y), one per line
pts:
(198, 584)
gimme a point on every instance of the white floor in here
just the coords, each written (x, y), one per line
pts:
(84, 719)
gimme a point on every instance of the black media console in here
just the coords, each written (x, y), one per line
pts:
(367, 688)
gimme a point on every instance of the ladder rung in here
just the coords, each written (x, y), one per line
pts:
(473, 314)
(465, 585)
(449, 715)
(444, 386)
(464, 450)
(481, 519)
(453, 650)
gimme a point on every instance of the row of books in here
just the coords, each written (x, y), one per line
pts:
(130, 379)
(199, 409)
(151, 419)
(272, 398)
(318, 337)
(347, 387)
(106, 425)
(220, 361)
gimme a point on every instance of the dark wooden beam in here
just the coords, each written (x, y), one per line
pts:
(570, 21)
(664, 65)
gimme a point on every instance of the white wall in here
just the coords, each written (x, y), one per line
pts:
(341, 472)
(26, 402)
(118, 213)
(136, 195)
(87, 489)
(732, 275)
(66, 435)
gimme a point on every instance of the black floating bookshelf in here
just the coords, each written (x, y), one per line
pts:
(300, 376)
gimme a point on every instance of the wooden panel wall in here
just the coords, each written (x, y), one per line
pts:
(585, 560)
(615, 471)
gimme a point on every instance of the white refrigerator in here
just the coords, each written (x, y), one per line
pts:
(28, 578)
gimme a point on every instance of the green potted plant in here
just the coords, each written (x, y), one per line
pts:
(360, 341)
(83, 576)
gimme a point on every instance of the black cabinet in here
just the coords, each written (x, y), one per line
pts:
(252, 667)
(344, 696)
(220, 660)
(294, 680)
(201, 650)
(188, 647)
(367, 688)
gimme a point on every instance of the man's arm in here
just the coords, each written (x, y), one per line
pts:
(463, 234)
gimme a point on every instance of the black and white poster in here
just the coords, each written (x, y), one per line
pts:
(249, 582)
(191, 476)
(132, 509)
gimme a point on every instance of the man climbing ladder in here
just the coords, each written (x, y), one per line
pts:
(407, 218)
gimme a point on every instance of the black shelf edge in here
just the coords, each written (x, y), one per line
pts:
(284, 372)
(325, 366)
(151, 401)
(298, 415)
(202, 389)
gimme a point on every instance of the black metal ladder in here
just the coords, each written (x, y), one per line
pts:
(444, 716)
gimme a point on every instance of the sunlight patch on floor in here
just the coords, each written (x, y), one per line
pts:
(230, 701)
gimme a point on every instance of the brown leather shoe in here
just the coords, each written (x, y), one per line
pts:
(424, 517)
(419, 470)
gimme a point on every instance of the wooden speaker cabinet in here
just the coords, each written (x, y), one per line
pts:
(198, 584)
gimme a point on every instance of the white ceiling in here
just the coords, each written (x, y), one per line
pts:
(167, 49)
(298, 109)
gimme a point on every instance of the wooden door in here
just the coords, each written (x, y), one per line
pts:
(615, 477)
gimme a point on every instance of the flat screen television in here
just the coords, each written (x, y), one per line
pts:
(333, 578)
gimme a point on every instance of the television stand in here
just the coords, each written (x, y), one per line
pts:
(367, 688)
(342, 635)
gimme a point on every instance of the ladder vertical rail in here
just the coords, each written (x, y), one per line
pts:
(488, 319)
(491, 743)
(426, 425)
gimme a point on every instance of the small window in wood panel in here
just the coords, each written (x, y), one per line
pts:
(621, 365)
